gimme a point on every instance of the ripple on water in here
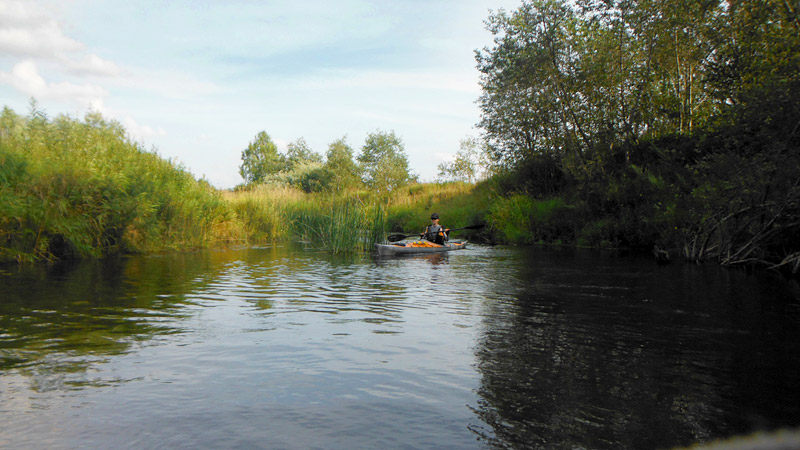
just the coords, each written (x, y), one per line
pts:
(297, 349)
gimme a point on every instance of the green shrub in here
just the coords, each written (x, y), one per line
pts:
(511, 219)
(80, 188)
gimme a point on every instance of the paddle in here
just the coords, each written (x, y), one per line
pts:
(400, 237)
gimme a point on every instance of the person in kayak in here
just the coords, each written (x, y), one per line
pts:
(435, 232)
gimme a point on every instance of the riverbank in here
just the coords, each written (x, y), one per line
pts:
(73, 189)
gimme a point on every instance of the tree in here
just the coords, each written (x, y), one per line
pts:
(696, 98)
(532, 114)
(299, 153)
(469, 164)
(339, 163)
(383, 161)
(260, 159)
(574, 82)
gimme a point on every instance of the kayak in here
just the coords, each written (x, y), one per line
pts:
(418, 246)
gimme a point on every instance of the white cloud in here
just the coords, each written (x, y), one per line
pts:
(141, 132)
(25, 77)
(92, 65)
(27, 31)
(24, 31)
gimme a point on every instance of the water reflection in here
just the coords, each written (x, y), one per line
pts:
(596, 353)
(486, 347)
(61, 320)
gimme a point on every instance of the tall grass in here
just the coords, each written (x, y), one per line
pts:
(336, 222)
(458, 204)
(340, 225)
(80, 188)
(76, 188)
(520, 219)
(354, 220)
(263, 212)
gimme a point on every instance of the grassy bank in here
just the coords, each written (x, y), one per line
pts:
(339, 223)
(80, 188)
(72, 188)
(353, 220)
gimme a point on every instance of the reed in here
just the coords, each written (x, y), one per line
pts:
(74, 188)
(263, 211)
(338, 223)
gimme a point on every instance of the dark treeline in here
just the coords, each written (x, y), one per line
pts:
(673, 124)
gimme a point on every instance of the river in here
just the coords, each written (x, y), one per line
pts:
(488, 347)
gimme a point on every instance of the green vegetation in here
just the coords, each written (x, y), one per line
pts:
(470, 164)
(353, 220)
(666, 124)
(384, 165)
(260, 159)
(74, 188)
(606, 124)
(71, 189)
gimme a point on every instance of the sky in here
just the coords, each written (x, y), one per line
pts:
(196, 80)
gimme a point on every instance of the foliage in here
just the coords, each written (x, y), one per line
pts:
(470, 163)
(660, 123)
(72, 188)
(511, 217)
(308, 176)
(261, 159)
(261, 211)
(383, 161)
(339, 224)
(299, 153)
(339, 168)
(80, 188)
(408, 209)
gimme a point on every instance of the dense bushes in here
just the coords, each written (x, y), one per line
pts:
(71, 188)
(660, 124)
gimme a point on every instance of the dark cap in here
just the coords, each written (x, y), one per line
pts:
(434, 216)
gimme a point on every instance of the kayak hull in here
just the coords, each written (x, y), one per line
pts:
(418, 247)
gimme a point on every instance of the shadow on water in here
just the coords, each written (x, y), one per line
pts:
(602, 352)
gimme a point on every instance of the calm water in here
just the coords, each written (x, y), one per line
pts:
(483, 348)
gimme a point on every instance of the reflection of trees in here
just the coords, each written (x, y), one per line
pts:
(629, 357)
(61, 319)
(58, 321)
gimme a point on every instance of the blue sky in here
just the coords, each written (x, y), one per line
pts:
(197, 80)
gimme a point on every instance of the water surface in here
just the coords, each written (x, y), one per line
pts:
(488, 347)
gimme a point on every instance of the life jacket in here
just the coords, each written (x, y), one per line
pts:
(435, 233)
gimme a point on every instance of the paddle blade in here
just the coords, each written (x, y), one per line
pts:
(395, 237)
